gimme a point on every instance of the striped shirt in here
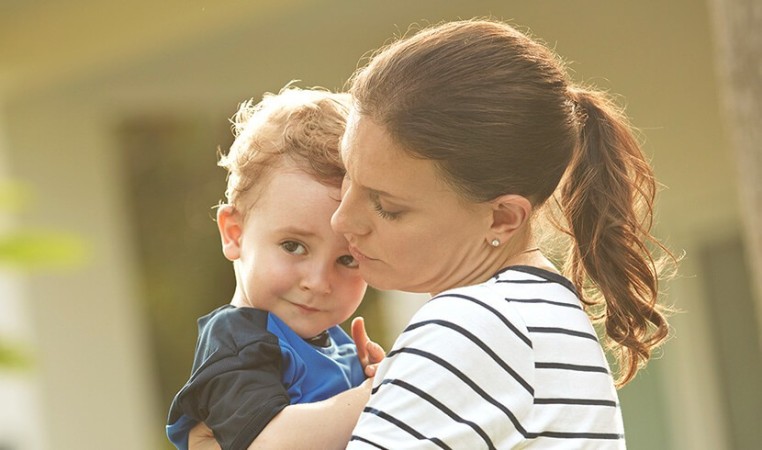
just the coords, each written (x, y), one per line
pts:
(510, 363)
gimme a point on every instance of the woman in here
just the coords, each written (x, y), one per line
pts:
(459, 136)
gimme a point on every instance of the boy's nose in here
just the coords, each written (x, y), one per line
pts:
(317, 279)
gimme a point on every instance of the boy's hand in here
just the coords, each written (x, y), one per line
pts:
(369, 353)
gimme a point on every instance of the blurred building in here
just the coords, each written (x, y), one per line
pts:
(111, 113)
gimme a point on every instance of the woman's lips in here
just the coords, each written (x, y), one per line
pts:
(358, 255)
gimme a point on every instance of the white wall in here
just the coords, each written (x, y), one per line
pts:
(94, 377)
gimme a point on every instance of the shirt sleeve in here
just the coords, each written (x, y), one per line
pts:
(236, 386)
(459, 376)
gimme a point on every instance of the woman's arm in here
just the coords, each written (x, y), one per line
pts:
(328, 423)
(324, 424)
(320, 425)
(202, 438)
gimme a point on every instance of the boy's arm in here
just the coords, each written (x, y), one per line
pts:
(320, 425)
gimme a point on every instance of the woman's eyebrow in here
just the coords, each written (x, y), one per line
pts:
(388, 195)
(381, 193)
(372, 191)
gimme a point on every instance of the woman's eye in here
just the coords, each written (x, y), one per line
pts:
(348, 261)
(293, 247)
(384, 213)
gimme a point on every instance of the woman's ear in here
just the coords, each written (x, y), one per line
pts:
(509, 214)
(230, 225)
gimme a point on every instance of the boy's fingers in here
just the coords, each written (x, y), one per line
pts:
(376, 353)
(360, 336)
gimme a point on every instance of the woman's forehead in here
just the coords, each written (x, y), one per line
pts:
(376, 162)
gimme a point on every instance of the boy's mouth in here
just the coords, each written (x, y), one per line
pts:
(304, 308)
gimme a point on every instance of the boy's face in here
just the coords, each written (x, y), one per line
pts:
(287, 258)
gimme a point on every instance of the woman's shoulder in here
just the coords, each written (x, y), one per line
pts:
(478, 313)
(532, 276)
(504, 288)
(506, 303)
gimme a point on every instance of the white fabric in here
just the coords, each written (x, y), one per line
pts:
(510, 363)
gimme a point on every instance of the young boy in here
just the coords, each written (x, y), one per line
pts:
(277, 343)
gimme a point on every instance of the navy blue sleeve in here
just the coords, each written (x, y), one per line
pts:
(236, 384)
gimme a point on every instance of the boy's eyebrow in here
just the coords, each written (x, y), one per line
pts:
(291, 229)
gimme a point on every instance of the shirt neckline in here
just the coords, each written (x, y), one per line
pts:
(542, 273)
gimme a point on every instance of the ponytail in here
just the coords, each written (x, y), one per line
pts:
(607, 198)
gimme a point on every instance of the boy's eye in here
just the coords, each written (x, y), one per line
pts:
(348, 261)
(293, 247)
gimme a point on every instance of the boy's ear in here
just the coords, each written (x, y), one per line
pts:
(230, 224)
(509, 214)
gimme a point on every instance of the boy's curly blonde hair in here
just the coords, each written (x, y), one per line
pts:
(300, 127)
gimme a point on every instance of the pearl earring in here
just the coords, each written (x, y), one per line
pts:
(495, 242)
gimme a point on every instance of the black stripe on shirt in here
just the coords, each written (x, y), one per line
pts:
(362, 439)
(403, 426)
(540, 300)
(476, 341)
(575, 401)
(544, 274)
(572, 367)
(552, 330)
(500, 406)
(439, 405)
(467, 381)
(507, 323)
(563, 435)
(525, 281)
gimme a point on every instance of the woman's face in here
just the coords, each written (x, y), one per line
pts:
(408, 229)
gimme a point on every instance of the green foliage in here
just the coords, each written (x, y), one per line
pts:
(12, 196)
(27, 250)
(40, 249)
(13, 356)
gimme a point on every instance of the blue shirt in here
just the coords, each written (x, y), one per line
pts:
(248, 366)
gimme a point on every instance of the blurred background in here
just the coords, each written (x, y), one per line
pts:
(111, 114)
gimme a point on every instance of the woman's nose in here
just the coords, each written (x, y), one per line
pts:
(339, 218)
(347, 218)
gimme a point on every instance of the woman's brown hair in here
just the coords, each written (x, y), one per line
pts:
(497, 113)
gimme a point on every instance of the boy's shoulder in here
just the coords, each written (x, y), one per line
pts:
(228, 315)
(234, 328)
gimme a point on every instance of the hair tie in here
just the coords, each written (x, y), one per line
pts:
(578, 112)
